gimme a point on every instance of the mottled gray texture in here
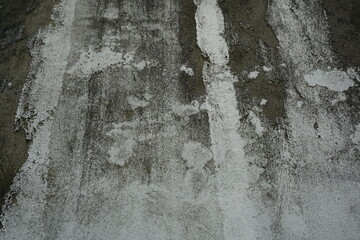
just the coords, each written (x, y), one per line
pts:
(145, 124)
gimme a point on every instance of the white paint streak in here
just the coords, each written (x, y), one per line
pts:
(224, 118)
(40, 96)
(210, 23)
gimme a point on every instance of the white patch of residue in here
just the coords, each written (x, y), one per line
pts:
(267, 69)
(255, 120)
(40, 96)
(196, 154)
(224, 119)
(263, 102)
(188, 70)
(282, 65)
(94, 61)
(136, 102)
(253, 75)
(335, 80)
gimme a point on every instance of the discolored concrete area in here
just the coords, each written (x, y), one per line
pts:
(19, 22)
(184, 119)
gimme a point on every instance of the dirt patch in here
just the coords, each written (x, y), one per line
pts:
(260, 88)
(245, 27)
(344, 20)
(191, 53)
(19, 20)
(252, 45)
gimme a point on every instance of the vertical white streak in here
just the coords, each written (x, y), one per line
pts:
(23, 220)
(227, 144)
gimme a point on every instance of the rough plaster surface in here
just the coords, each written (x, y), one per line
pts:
(118, 151)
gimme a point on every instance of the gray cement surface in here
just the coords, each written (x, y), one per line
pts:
(192, 119)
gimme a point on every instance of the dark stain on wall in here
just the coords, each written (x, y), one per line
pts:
(191, 53)
(252, 43)
(344, 23)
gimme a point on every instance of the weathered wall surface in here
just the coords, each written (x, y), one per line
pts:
(185, 119)
(20, 20)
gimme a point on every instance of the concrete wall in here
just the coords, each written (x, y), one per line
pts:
(204, 119)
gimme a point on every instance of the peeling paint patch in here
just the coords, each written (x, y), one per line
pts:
(334, 80)
(224, 118)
